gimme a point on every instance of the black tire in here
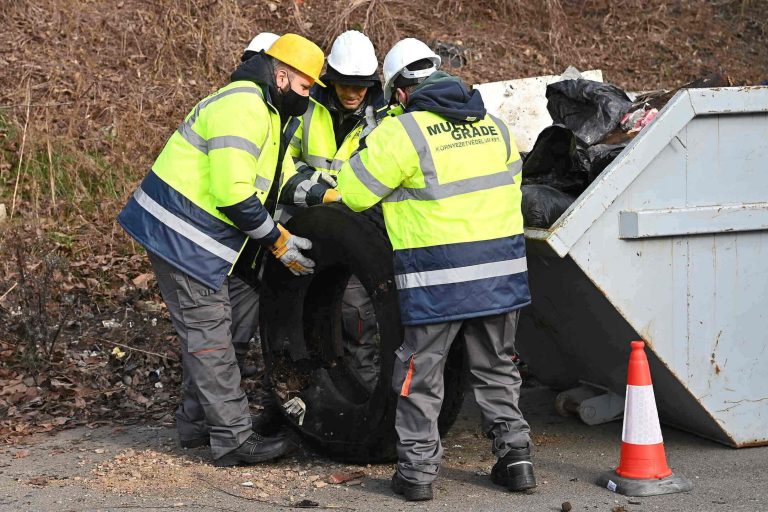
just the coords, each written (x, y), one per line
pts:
(301, 336)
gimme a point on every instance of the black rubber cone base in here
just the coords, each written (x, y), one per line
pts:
(652, 487)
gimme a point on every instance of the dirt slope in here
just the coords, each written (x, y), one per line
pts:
(112, 78)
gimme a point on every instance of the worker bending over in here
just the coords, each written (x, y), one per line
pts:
(213, 187)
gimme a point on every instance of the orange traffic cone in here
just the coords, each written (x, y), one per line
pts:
(643, 469)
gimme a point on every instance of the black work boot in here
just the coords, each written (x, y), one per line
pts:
(411, 492)
(514, 470)
(267, 423)
(270, 419)
(255, 449)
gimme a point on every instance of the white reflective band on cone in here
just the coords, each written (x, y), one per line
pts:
(641, 420)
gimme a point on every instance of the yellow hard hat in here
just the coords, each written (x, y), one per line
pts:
(300, 53)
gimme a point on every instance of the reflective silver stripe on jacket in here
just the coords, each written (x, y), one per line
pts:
(262, 183)
(336, 164)
(226, 141)
(216, 97)
(461, 274)
(184, 228)
(260, 232)
(233, 141)
(433, 190)
(316, 161)
(319, 162)
(421, 145)
(366, 178)
(455, 188)
(306, 119)
(502, 126)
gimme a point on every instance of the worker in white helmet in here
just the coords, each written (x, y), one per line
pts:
(448, 176)
(320, 142)
(329, 131)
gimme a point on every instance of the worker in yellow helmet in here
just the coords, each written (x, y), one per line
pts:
(448, 176)
(213, 187)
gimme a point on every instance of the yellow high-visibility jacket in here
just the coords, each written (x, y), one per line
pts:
(205, 193)
(451, 198)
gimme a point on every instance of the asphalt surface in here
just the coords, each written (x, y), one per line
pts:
(568, 459)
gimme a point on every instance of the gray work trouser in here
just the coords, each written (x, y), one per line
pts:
(359, 330)
(208, 323)
(418, 379)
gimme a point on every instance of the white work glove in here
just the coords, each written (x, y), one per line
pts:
(288, 249)
(370, 121)
(318, 176)
(297, 408)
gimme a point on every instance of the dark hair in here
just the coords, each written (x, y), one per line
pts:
(402, 82)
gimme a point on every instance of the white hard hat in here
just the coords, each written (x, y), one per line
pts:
(352, 54)
(262, 42)
(406, 52)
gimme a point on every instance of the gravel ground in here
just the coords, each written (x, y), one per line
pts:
(141, 468)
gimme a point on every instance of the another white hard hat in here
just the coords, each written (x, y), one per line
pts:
(406, 52)
(352, 54)
(262, 42)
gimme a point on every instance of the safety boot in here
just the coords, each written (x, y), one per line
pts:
(514, 470)
(411, 492)
(256, 449)
(270, 419)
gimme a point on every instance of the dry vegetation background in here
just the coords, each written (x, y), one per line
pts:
(91, 89)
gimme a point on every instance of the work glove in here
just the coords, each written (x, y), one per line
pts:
(297, 408)
(288, 249)
(370, 121)
(331, 196)
(326, 177)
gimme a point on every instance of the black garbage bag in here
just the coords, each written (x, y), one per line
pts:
(599, 156)
(555, 160)
(543, 205)
(589, 109)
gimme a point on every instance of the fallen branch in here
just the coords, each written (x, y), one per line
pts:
(122, 345)
(9, 291)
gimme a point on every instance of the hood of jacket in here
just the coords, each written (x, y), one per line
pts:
(447, 96)
(258, 69)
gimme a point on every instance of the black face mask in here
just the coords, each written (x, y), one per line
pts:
(292, 104)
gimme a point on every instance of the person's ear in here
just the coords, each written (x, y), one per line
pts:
(402, 96)
(281, 78)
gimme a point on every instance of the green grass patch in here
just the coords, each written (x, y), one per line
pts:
(54, 172)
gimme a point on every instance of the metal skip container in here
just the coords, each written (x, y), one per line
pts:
(668, 245)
